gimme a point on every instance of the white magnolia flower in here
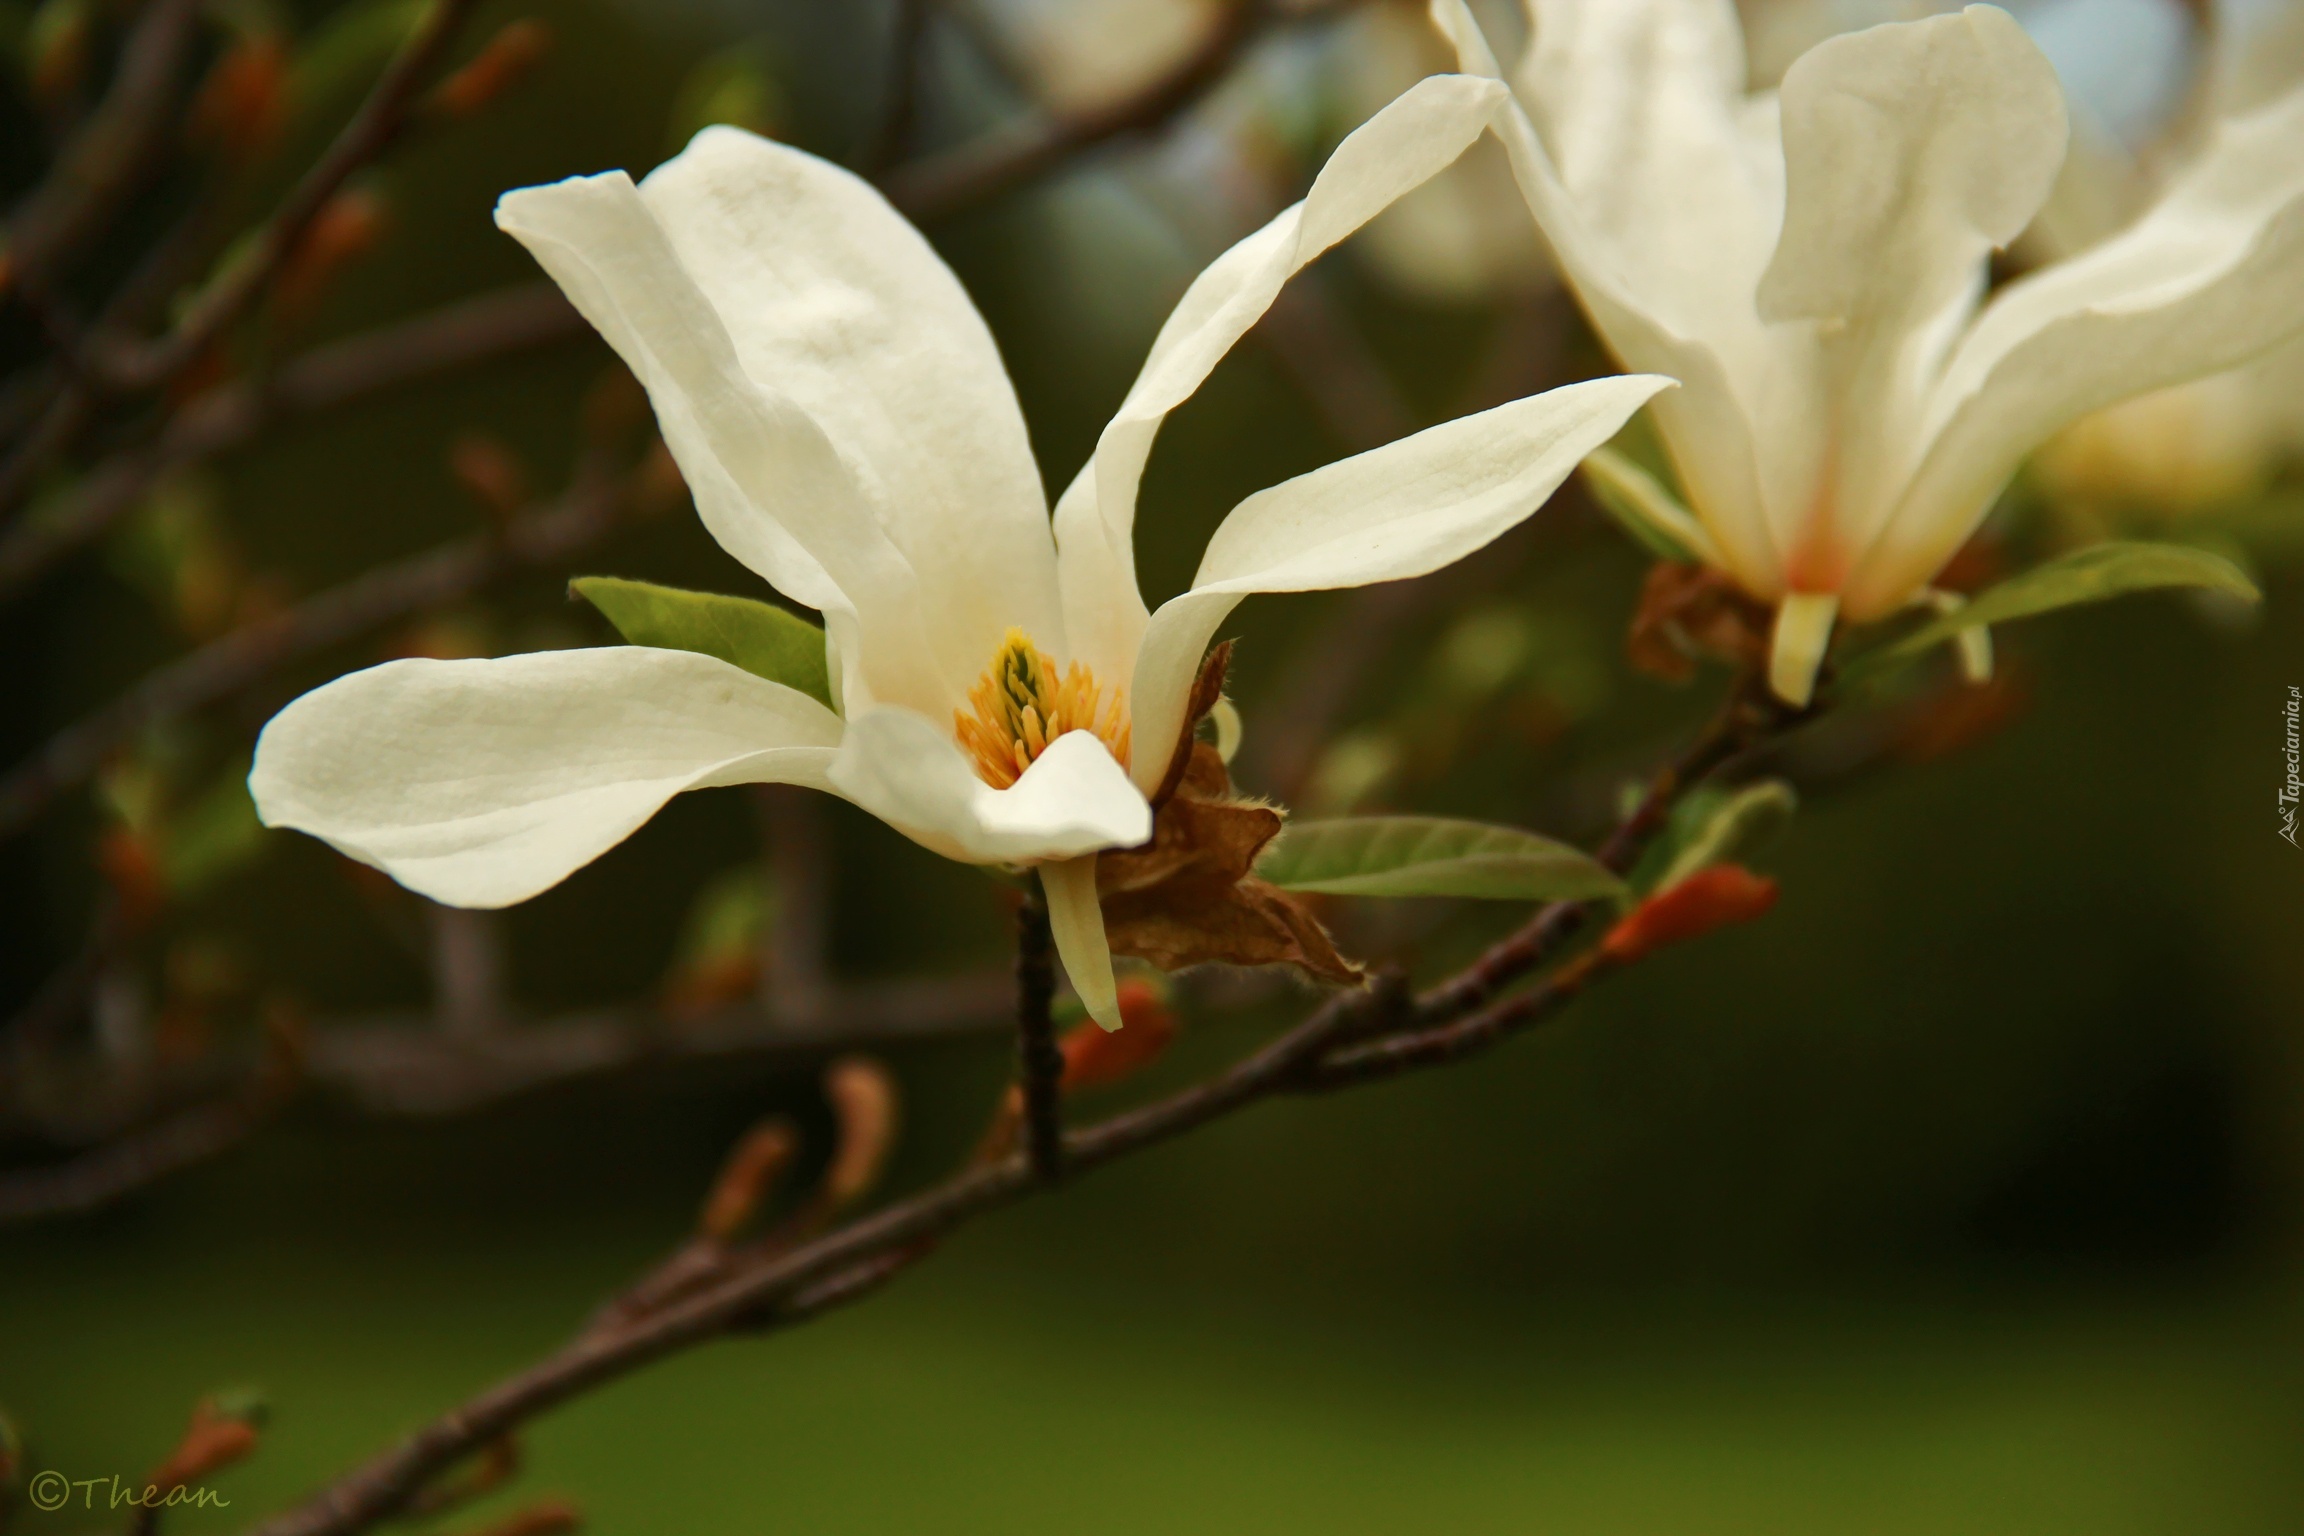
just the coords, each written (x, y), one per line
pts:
(1810, 265)
(848, 431)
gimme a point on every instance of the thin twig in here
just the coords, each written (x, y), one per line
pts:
(326, 378)
(121, 144)
(401, 1063)
(785, 1288)
(907, 29)
(1039, 1064)
(1005, 158)
(190, 1136)
(373, 128)
(538, 539)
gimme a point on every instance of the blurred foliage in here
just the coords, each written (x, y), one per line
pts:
(1961, 1194)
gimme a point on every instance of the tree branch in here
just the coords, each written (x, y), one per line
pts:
(538, 539)
(232, 415)
(372, 130)
(123, 141)
(783, 1288)
(1039, 1064)
(1003, 159)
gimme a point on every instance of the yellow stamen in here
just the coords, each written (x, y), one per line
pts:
(1022, 703)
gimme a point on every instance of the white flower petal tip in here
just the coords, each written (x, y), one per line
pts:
(482, 783)
(1226, 718)
(1073, 800)
(1405, 509)
(1972, 646)
(1076, 921)
(1975, 648)
(1804, 623)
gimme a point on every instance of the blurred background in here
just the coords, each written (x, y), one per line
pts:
(1963, 1194)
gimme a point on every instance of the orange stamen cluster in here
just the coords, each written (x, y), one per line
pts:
(1020, 705)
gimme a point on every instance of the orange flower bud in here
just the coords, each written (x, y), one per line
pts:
(546, 1517)
(1708, 899)
(502, 64)
(1094, 1056)
(491, 472)
(212, 1441)
(130, 866)
(750, 1172)
(864, 1103)
(243, 101)
(346, 228)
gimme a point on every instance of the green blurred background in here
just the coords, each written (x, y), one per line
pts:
(1962, 1194)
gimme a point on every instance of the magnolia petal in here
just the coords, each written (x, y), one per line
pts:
(768, 482)
(1076, 920)
(1402, 510)
(2212, 276)
(1073, 800)
(1670, 308)
(835, 302)
(1973, 646)
(1401, 147)
(1910, 152)
(1796, 650)
(481, 783)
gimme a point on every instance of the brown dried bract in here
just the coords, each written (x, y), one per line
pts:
(1692, 611)
(1188, 897)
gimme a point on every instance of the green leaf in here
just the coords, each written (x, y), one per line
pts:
(1647, 511)
(1430, 856)
(1713, 826)
(761, 638)
(2084, 576)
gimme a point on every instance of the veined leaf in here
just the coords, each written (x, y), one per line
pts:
(2084, 576)
(1647, 511)
(1713, 826)
(1430, 856)
(760, 637)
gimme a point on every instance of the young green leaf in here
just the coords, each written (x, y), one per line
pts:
(1430, 856)
(761, 638)
(2084, 576)
(1647, 511)
(1713, 826)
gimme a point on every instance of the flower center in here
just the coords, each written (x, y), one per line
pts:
(1020, 705)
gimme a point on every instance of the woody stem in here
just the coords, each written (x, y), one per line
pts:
(1039, 1064)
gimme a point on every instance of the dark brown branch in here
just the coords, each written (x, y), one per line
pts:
(973, 173)
(786, 1287)
(403, 1064)
(190, 1136)
(907, 30)
(124, 140)
(540, 539)
(372, 130)
(326, 378)
(1039, 1064)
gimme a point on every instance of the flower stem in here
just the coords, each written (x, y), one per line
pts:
(1039, 1064)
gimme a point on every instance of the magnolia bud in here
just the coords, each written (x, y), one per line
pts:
(1710, 898)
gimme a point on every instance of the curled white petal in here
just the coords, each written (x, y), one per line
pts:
(481, 783)
(1404, 145)
(2211, 277)
(832, 300)
(1073, 800)
(1076, 921)
(769, 482)
(1402, 510)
